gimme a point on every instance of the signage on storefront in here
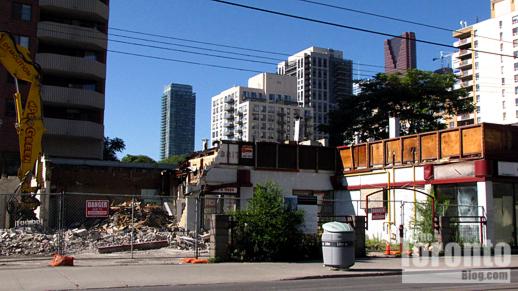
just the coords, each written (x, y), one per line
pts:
(247, 152)
(225, 190)
(97, 208)
(378, 213)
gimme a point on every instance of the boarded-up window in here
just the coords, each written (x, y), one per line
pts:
(307, 157)
(326, 159)
(266, 155)
(287, 156)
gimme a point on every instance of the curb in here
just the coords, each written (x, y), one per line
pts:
(348, 275)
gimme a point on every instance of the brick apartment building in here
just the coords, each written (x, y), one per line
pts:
(400, 53)
(68, 39)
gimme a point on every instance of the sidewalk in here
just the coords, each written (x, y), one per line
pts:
(36, 275)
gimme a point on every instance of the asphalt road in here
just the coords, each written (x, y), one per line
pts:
(351, 283)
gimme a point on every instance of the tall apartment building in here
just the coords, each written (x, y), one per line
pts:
(266, 110)
(178, 119)
(491, 79)
(323, 77)
(69, 40)
(400, 53)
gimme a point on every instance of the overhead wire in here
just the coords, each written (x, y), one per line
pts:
(349, 27)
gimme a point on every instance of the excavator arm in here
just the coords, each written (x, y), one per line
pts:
(29, 124)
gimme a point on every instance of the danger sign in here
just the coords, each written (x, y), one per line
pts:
(97, 208)
(378, 213)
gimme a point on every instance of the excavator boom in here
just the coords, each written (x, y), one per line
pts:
(29, 124)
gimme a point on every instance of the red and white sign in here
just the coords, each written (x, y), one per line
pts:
(378, 213)
(97, 208)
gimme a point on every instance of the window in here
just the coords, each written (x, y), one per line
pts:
(503, 81)
(475, 43)
(515, 32)
(504, 115)
(516, 66)
(503, 104)
(500, 23)
(515, 19)
(516, 78)
(501, 47)
(516, 101)
(503, 92)
(21, 12)
(478, 109)
(452, 124)
(515, 42)
(516, 113)
(477, 76)
(478, 98)
(479, 119)
(22, 40)
(476, 65)
(502, 35)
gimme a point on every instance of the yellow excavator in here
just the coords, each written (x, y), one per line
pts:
(29, 125)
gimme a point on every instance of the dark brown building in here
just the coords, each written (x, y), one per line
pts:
(68, 39)
(400, 53)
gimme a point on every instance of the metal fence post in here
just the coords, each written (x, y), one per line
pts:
(61, 234)
(132, 223)
(196, 222)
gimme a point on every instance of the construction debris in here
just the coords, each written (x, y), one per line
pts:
(152, 227)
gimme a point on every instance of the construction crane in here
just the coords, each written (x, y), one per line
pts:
(29, 125)
(442, 56)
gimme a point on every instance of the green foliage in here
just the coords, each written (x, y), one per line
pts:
(111, 147)
(418, 98)
(175, 160)
(266, 231)
(137, 159)
(424, 222)
(375, 244)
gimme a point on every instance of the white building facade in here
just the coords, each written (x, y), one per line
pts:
(490, 78)
(266, 110)
(323, 76)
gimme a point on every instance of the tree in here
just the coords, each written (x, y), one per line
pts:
(137, 159)
(420, 99)
(175, 160)
(111, 147)
(266, 230)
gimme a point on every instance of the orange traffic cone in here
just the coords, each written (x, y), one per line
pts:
(387, 249)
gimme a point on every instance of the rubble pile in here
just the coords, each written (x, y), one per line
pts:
(151, 223)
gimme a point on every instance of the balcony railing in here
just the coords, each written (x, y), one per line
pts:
(93, 9)
(67, 65)
(65, 34)
(73, 128)
(72, 96)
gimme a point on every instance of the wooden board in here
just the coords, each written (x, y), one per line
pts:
(360, 156)
(429, 146)
(450, 144)
(472, 141)
(346, 157)
(376, 154)
(410, 144)
(393, 151)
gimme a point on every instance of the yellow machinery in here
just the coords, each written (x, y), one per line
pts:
(29, 124)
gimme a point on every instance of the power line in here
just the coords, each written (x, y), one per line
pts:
(182, 61)
(393, 18)
(200, 42)
(165, 48)
(347, 26)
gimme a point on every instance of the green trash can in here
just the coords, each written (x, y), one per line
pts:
(338, 245)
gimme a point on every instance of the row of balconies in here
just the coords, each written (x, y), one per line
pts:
(92, 9)
(84, 37)
(73, 128)
(71, 66)
(72, 96)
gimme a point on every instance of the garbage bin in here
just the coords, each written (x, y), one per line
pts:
(338, 245)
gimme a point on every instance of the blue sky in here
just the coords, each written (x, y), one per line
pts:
(134, 85)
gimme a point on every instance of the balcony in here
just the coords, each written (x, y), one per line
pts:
(72, 96)
(229, 116)
(462, 64)
(462, 42)
(83, 37)
(228, 132)
(229, 100)
(71, 66)
(464, 53)
(229, 124)
(93, 9)
(464, 73)
(465, 84)
(73, 128)
(228, 107)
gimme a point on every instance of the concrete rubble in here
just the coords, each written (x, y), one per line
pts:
(151, 224)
